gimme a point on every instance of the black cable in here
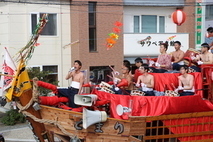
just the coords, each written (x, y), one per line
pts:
(83, 3)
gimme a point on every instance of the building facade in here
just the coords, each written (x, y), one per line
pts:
(18, 21)
(91, 23)
(208, 18)
(148, 23)
(80, 29)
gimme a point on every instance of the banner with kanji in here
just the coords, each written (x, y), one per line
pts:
(7, 73)
(20, 83)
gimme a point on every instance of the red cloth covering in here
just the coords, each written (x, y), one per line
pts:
(156, 105)
(167, 79)
(48, 86)
(52, 100)
(164, 105)
(136, 75)
(163, 80)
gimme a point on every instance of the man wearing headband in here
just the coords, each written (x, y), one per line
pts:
(205, 57)
(177, 56)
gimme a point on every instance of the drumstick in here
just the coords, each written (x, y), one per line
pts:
(110, 76)
(111, 67)
(114, 71)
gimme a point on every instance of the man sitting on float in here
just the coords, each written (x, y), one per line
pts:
(124, 82)
(163, 63)
(205, 57)
(177, 56)
(146, 81)
(186, 82)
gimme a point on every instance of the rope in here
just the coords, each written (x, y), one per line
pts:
(33, 99)
(53, 122)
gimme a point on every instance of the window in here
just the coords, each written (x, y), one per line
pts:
(161, 24)
(136, 24)
(50, 28)
(53, 69)
(92, 26)
(53, 75)
(99, 73)
(149, 24)
(209, 12)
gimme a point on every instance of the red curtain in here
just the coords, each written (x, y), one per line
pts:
(156, 105)
(191, 128)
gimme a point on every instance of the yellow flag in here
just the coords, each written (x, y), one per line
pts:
(20, 83)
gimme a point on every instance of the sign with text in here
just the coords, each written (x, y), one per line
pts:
(198, 23)
(148, 44)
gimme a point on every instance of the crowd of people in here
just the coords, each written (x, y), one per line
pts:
(165, 63)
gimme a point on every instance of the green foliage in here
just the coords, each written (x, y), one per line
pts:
(13, 117)
(42, 76)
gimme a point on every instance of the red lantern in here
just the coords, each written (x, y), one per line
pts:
(178, 17)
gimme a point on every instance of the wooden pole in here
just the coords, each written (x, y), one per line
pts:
(7, 75)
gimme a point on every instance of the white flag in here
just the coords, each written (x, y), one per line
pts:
(8, 68)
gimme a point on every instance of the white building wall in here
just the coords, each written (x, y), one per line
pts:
(131, 47)
(130, 11)
(15, 31)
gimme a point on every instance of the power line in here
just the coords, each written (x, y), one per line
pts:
(83, 3)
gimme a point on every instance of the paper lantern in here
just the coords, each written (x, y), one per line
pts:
(178, 17)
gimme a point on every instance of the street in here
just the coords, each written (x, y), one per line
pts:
(17, 133)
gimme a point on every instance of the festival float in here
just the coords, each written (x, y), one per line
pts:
(103, 116)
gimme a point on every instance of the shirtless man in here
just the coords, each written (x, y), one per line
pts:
(146, 81)
(177, 56)
(186, 82)
(76, 75)
(76, 85)
(205, 57)
(125, 75)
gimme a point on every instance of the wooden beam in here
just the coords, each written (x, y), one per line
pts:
(178, 135)
(134, 139)
(6, 75)
(179, 116)
(181, 125)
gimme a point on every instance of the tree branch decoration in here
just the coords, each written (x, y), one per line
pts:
(27, 51)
